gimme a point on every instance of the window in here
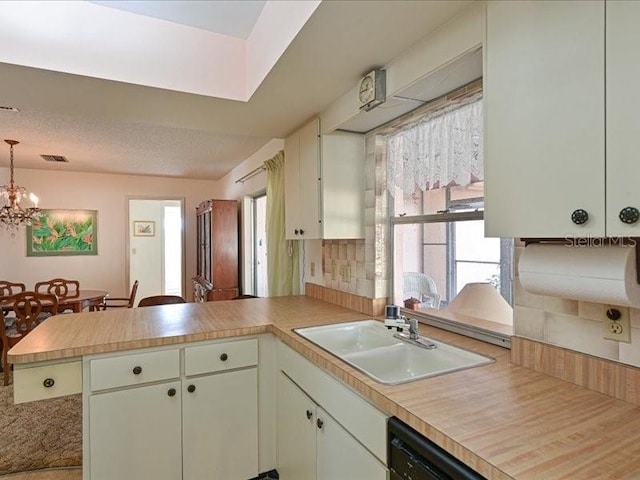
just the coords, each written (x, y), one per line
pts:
(435, 181)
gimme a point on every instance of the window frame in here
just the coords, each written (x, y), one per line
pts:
(499, 336)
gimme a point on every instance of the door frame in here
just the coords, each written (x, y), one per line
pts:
(128, 199)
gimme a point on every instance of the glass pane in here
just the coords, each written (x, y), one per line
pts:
(433, 261)
(471, 243)
(477, 273)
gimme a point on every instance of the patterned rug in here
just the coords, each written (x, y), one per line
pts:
(42, 434)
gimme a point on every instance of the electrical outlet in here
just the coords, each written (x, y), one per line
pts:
(617, 325)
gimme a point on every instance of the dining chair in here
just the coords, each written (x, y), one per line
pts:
(30, 309)
(160, 300)
(121, 302)
(11, 288)
(59, 287)
(7, 289)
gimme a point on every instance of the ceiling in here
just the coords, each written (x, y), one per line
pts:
(115, 127)
(229, 17)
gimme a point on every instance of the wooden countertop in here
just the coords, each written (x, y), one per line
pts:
(503, 420)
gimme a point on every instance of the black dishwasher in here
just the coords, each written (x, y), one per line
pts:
(414, 457)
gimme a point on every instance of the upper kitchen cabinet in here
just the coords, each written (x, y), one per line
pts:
(544, 84)
(623, 128)
(324, 184)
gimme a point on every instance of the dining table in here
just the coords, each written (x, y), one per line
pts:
(81, 299)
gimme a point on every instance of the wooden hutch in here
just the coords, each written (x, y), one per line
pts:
(217, 234)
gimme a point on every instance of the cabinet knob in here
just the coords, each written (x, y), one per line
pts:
(137, 370)
(629, 215)
(191, 388)
(224, 357)
(579, 216)
(48, 382)
(309, 414)
(319, 423)
(171, 392)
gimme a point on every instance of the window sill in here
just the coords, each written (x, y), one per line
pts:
(478, 328)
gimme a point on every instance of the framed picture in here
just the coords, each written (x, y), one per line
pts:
(63, 232)
(144, 228)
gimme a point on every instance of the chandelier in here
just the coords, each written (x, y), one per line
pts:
(12, 214)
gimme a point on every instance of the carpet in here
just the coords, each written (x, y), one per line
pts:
(42, 434)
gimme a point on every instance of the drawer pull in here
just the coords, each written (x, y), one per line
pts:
(137, 370)
(224, 357)
(191, 388)
(579, 216)
(629, 215)
(309, 414)
(172, 392)
(48, 382)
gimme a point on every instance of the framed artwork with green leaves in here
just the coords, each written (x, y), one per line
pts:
(63, 232)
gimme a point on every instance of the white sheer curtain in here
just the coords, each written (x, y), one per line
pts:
(441, 149)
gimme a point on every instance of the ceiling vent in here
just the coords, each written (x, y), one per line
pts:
(54, 158)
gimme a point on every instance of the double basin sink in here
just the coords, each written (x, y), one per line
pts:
(370, 347)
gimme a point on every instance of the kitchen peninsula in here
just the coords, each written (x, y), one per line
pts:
(503, 420)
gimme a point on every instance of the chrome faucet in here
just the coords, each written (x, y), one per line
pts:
(413, 329)
(401, 322)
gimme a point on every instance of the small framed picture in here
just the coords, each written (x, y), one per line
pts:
(144, 228)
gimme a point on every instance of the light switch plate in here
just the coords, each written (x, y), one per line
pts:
(620, 329)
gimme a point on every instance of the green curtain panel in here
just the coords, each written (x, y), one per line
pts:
(283, 267)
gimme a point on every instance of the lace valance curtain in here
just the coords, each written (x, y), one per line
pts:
(441, 149)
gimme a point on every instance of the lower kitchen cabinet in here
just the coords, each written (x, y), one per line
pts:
(296, 432)
(149, 417)
(219, 426)
(311, 445)
(136, 433)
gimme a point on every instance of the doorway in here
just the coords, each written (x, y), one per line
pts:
(156, 255)
(260, 245)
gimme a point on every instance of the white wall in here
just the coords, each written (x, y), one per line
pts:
(107, 194)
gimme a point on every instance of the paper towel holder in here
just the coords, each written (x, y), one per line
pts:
(594, 241)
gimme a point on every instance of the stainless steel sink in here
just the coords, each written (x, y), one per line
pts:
(368, 346)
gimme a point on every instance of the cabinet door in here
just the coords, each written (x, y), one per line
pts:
(220, 426)
(296, 435)
(623, 101)
(136, 433)
(339, 455)
(343, 185)
(544, 118)
(292, 185)
(310, 180)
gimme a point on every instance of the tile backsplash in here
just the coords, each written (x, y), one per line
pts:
(572, 324)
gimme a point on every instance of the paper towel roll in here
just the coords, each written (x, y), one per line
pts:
(604, 274)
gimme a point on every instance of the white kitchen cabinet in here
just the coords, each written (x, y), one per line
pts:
(623, 104)
(324, 184)
(136, 433)
(296, 432)
(219, 426)
(302, 182)
(561, 119)
(151, 417)
(311, 445)
(544, 127)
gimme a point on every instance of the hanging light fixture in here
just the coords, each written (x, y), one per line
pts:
(12, 214)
